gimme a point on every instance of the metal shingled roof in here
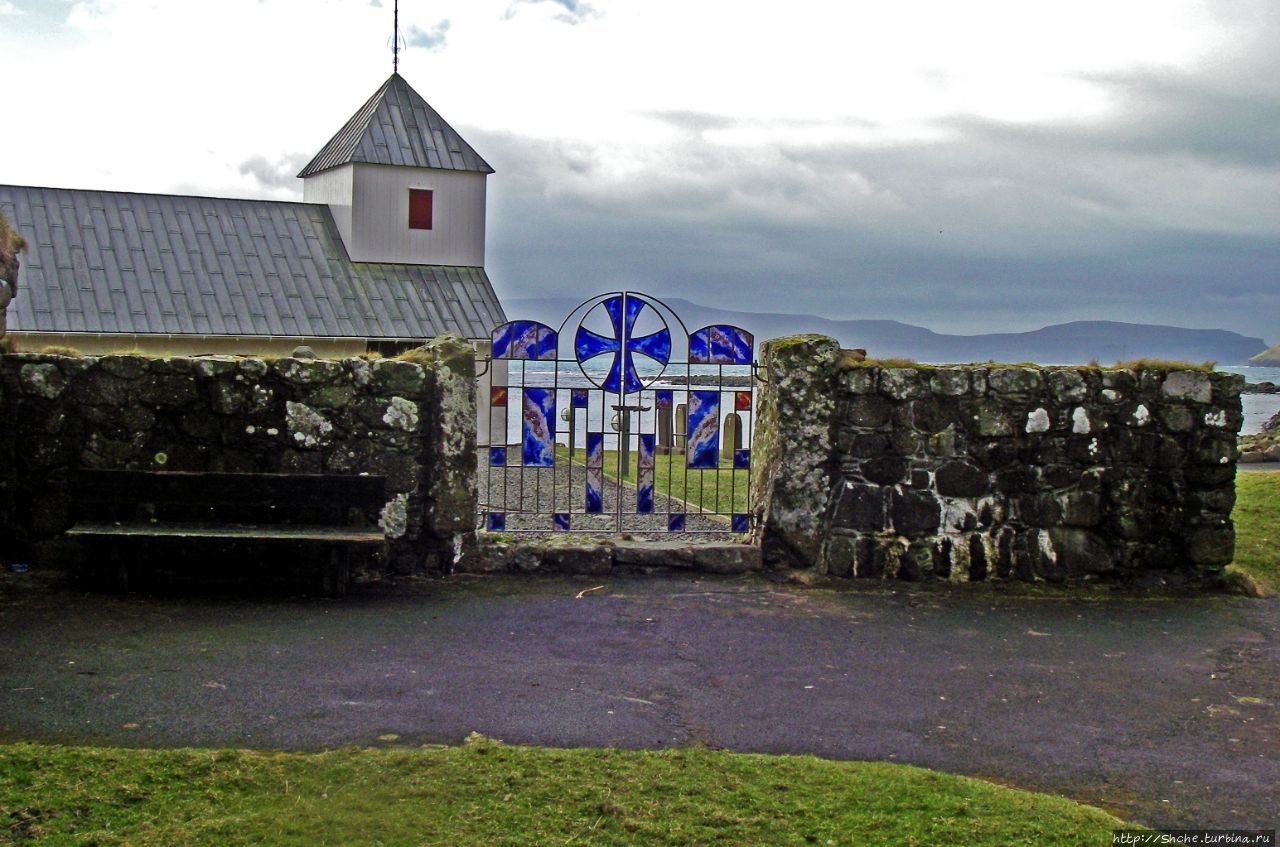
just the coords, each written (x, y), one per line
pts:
(397, 127)
(148, 264)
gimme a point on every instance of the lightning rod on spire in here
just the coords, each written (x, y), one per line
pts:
(395, 39)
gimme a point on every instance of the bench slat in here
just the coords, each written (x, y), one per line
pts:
(118, 508)
(240, 532)
(107, 486)
(228, 498)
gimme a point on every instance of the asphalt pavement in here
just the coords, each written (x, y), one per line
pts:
(1162, 710)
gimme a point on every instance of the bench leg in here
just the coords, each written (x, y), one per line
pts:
(113, 572)
(337, 573)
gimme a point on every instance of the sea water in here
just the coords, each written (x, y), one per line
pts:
(1258, 408)
(600, 416)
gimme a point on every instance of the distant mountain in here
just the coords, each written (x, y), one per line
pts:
(1078, 342)
(1267, 358)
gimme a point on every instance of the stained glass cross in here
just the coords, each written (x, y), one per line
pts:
(623, 310)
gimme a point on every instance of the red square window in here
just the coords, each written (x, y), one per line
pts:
(419, 208)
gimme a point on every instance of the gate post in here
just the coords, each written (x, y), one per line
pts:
(792, 455)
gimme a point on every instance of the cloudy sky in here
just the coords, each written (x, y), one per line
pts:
(988, 165)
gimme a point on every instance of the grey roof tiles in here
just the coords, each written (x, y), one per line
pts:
(397, 127)
(119, 262)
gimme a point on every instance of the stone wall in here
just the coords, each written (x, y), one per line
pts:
(410, 421)
(991, 471)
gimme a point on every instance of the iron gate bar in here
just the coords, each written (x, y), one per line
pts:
(541, 492)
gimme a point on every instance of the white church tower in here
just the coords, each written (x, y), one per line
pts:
(403, 186)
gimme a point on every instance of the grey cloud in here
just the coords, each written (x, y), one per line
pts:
(1165, 212)
(999, 229)
(1186, 116)
(1227, 110)
(42, 17)
(692, 121)
(280, 174)
(574, 12)
(428, 40)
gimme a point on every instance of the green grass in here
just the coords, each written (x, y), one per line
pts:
(485, 793)
(1257, 520)
(722, 491)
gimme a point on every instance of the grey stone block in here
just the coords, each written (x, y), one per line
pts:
(903, 383)
(885, 470)
(861, 507)
(727, 558)
(868, 410)
(958, 478)
(915, 513)
(1014, 381)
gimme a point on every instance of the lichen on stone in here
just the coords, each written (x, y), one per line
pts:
(42, 380)
(394, 519)
(1188, 385)
(401, 414)
(306, 426)
(1038, 420)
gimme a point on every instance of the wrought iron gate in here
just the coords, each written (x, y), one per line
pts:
(619, 421)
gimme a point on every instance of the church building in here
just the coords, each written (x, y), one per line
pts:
(385, 250)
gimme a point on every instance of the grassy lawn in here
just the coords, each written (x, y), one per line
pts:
(723, 491)
(484, 793)
(1257, 520)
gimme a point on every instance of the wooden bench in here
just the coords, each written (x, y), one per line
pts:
(161, 520)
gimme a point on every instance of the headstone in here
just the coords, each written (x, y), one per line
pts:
(663, 414)
(730, 436)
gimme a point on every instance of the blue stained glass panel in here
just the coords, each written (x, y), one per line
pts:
(622, 376)
(656, 346)
(703, 425)
(578, 398)
(721, 345)
(524, 340)
(741, 459)
(741, 523)
(496, 522)
(644, 475)
(588, 345)
(675, 523)
(497, 457)
(663, 398)
(614, 307)
(617, 382)
(595, 473)
(560, 521)
(538, 425)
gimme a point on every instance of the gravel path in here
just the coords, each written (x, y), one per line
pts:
(529, 496)
(1164, 711)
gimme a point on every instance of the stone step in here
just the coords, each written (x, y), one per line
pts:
(593, 555)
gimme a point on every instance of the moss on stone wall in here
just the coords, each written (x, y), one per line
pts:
(792, 445)
(982, 471)
(412, 422)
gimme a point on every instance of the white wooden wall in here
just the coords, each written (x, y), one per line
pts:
(333, 188)
(380, 217)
